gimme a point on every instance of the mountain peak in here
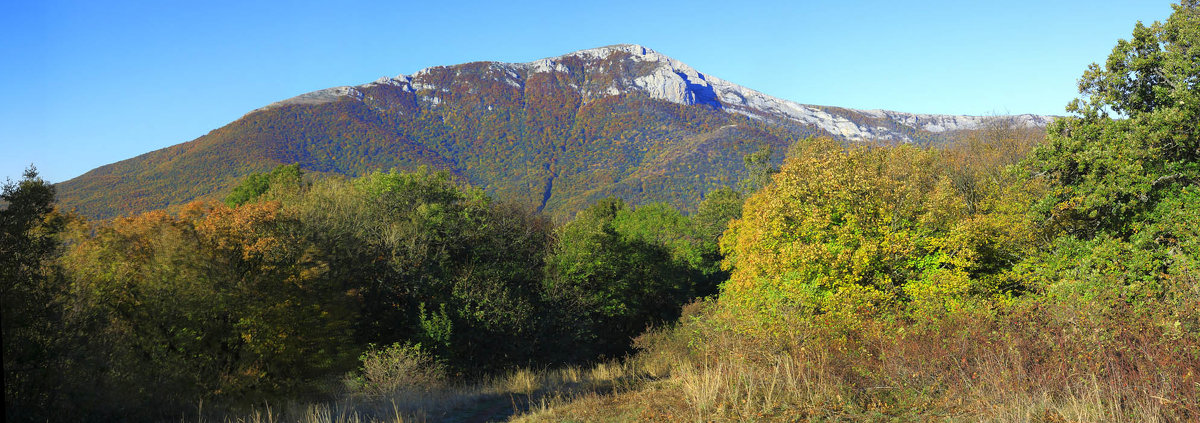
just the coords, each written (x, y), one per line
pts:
(632, 68)
(554, 133)
(605, 51)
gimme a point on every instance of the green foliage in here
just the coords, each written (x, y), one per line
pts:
(432, 262)
(1171, 228)
(36, 330)
(714, 213)
(616, 271)
(758, 165)
(257, 184)
(1133, 141)
(1124, 171)
(436, 326)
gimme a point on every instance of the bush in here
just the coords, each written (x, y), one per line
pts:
(395, 368)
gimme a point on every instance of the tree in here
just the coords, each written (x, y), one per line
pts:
(980, 162)
(614, 274)
(32, 294)
(256, 184)
(836, 220)
(1134, 139)
(759, 170)
(860, 229)
(1124, 172)
(435, 263)
(716, 210)
(216, 302)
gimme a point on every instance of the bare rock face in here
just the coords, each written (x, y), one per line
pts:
(318, 97)
(664, 84)
(942, 123)
(663, 78)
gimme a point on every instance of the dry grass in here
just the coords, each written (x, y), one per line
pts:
(491, 399)
(1029, 364)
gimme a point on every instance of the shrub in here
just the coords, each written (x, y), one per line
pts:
(397, 367)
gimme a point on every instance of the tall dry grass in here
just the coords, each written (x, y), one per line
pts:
(1030, 362)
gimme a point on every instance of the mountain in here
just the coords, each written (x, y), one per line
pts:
(554, 134)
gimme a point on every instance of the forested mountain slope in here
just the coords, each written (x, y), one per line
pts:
(553, 134)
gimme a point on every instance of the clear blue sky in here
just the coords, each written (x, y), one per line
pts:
(88, 83)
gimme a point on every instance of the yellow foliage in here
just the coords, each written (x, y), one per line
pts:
(853, 229)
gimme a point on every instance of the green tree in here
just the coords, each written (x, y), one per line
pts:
(33, 291)
(1124, 172)
(714, 213)
(256, 184)
(1134, 139)
(432, 262)
(759, 170)
(614, 274)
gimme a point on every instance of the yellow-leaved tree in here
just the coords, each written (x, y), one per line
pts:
(849, 231)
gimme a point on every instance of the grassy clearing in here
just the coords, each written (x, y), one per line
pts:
(491, 399)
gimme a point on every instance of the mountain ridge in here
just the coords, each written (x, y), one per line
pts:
(553, 134)
(683, 90)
